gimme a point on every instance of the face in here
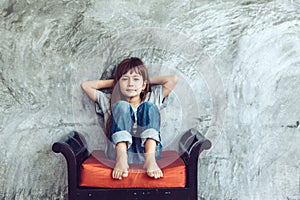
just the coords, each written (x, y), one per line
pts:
(132, 84)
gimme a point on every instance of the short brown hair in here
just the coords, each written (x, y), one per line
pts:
(132, 64)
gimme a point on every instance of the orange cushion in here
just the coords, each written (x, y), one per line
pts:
(96, 172)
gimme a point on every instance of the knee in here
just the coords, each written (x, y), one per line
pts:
(121, 107)
(148, 106)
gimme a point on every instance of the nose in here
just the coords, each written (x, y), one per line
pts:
(130, 82)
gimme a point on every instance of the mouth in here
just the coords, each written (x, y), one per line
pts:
(131, 90)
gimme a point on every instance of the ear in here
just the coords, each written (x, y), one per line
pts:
(144, 85)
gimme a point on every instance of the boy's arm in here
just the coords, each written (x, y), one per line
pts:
(168, 82)
(91, 87)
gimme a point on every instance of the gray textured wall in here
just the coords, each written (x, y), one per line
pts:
(239, 66)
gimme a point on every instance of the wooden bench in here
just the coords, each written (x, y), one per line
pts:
(74, 148)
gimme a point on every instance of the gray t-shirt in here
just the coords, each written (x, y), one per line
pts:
(156, 96)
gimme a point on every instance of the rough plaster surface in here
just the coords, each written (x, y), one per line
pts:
(239, 69)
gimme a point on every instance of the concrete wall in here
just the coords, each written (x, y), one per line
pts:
(239, 69)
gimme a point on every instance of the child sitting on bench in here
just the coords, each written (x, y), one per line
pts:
(132, 115)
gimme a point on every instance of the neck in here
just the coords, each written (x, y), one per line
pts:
(134, 101)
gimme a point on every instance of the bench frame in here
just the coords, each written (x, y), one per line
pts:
(74, 149)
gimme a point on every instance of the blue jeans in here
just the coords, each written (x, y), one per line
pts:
(147, 126)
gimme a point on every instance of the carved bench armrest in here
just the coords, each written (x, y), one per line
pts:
(192, 143)
(74, 148)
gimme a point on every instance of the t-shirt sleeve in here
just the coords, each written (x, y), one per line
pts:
(156, 96)
(102, 105)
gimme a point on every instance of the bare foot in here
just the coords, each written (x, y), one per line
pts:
(152, 168)
(121, 167)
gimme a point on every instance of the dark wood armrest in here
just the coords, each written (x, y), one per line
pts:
(192, 143)
(74, 148)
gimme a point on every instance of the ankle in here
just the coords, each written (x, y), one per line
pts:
(149, 156)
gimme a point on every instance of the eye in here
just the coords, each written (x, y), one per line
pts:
(124, 78)
(136, 79)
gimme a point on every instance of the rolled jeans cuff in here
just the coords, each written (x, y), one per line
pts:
(150, 133)
(122, 136)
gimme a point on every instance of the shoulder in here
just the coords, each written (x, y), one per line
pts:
(103, 98)
(156, 90)
(102, 94)
(156, 95)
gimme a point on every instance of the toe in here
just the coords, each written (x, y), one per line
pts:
(117, 174)
(150, 173)
(125, 174)
(155, 174)
(158, 174)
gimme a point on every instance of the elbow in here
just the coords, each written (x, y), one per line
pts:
(175, 79)
(83, 85)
